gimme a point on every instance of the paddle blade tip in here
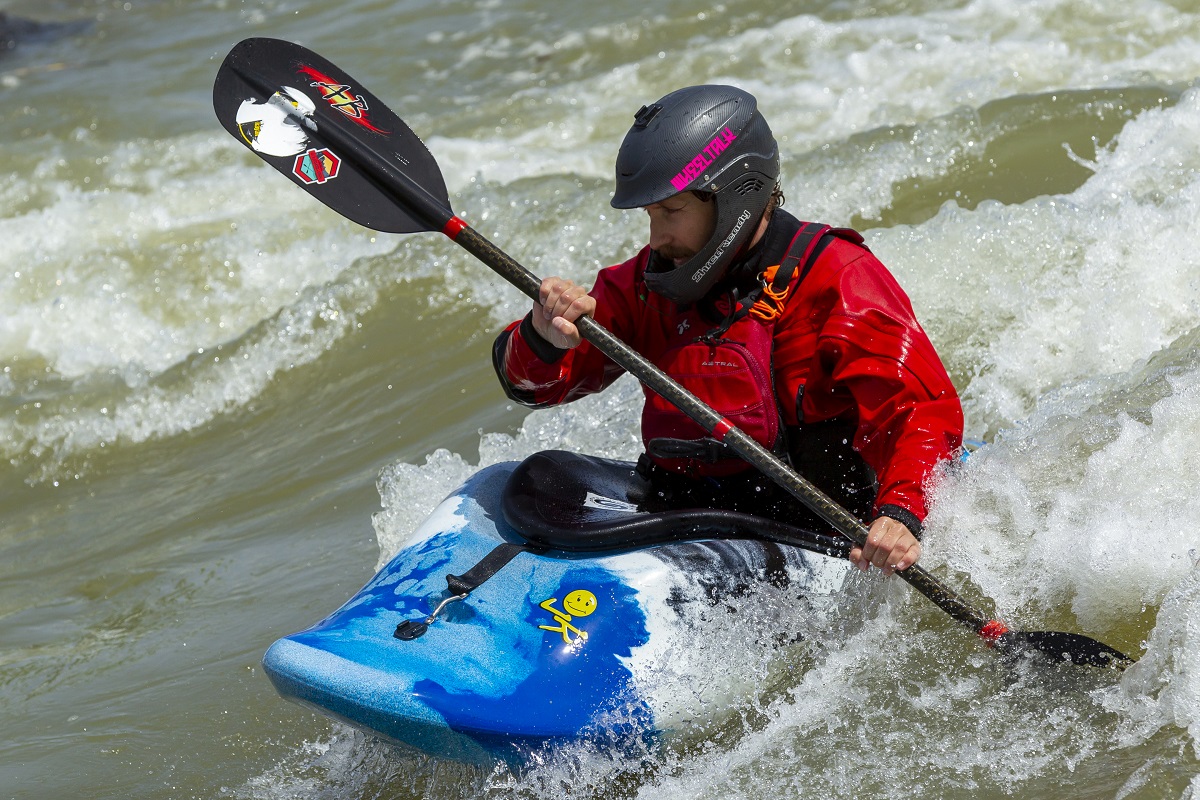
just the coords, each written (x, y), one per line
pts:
(1058, 646)
(330, 136)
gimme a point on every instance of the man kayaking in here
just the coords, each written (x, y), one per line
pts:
(793, 331)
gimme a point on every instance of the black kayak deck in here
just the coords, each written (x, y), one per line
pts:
(585, 504)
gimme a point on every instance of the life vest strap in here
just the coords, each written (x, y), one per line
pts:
(805, 247)
(708, 450)
(729, 366)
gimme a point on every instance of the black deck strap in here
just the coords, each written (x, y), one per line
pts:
(462, 585)
(492, 563)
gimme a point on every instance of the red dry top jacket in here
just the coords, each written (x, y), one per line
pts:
(848, 347)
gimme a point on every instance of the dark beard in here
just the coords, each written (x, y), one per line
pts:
(670, 253)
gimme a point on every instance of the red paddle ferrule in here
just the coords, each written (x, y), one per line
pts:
(992, 631)
(722, 429)
(454, 227)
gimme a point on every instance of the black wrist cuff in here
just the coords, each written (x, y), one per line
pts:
(540, 347)
(904, 517)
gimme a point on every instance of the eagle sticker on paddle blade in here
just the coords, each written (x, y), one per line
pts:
(273, 128)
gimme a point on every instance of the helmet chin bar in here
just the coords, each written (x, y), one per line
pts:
(735, 227)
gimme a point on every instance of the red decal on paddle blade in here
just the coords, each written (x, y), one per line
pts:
(341, 96)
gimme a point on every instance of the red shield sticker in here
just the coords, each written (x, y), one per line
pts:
(317, 166)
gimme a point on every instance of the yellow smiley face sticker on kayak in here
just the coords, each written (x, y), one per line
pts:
(579, 603)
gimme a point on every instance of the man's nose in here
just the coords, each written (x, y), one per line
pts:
(658, 235)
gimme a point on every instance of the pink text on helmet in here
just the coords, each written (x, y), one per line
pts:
(703, 159)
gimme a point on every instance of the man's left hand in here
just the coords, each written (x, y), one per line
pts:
(890, 546)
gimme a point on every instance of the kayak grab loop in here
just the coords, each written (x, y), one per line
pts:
(461, 586)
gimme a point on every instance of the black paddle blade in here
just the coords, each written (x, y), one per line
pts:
(330, 136)
(1060, 646)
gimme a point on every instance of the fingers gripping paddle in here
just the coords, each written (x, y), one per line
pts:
(334, 139)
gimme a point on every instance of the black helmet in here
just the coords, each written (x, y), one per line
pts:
(703, 139)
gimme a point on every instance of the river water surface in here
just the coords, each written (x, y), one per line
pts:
(222, 406)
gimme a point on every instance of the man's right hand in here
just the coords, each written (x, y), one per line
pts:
(560, 303)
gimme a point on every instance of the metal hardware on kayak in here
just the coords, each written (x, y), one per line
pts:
(461, 586)
(508, 673)
(546, 500)
(410, 629)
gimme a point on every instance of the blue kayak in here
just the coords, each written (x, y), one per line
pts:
(527, 611)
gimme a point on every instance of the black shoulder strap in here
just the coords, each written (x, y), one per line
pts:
(806, 247)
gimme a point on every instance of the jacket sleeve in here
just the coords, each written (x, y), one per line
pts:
(873, 358)
(537, 374)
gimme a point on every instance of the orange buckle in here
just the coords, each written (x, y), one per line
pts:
(769, 306)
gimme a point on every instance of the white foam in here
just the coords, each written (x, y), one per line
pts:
(822, 80)
(1092, 513)
(1163, 689)
(1049, 308)
(1058, 289)
(180, 246)
(603, 425)
(180, 257)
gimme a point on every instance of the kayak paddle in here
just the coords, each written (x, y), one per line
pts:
(329, 135)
